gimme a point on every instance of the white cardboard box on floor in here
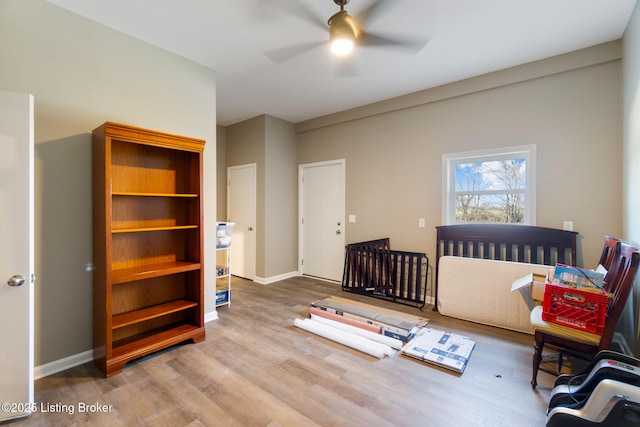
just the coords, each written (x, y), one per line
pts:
(534, 281)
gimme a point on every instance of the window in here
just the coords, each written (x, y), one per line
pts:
(490, 186)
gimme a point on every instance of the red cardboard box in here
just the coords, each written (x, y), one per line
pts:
(585, 310)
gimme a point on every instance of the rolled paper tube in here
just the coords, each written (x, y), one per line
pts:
(353, 341)
(383, 339)
(343, 319)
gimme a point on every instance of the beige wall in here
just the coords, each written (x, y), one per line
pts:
(271, 144)
(245, 145)
(221, 168)
(281, 199)
(569, 106)
(630, 322)
(82, 74)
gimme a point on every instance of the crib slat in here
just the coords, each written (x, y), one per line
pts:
(508, 252)
(476, 249)
(410, 279)
(416, 287)
(487, 250)
(547, 256)
(456, 248)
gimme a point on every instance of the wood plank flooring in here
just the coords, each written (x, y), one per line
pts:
(256, 369)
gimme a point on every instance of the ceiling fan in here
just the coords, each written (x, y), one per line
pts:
(345, 32)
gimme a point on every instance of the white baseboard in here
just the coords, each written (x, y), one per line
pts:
(273, 279)
(62, 364)
(322, 279)
(211, 316)
(84, 357)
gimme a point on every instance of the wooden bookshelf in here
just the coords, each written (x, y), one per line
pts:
(148, 243)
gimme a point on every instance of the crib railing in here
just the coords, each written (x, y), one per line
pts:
(373, 268)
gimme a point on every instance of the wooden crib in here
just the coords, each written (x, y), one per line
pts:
(372, 268)
(506, 242)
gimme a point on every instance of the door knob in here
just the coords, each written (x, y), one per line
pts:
(15, 280)
(250, 228)
(338, 232)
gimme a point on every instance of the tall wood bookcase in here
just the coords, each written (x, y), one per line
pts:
(147, 243)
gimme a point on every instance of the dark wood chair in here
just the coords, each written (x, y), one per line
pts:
(621, 273)
(608, 251)
(606, 259)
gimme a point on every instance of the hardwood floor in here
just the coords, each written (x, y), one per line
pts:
(256, 369)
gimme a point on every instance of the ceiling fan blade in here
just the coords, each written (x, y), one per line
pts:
(297, 9)
(374, 40)
(290, 52)
(376, 8)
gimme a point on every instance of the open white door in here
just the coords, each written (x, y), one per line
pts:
(322, 207)
(16, 255)
(241, 209)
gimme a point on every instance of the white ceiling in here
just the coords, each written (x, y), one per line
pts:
(464, 38)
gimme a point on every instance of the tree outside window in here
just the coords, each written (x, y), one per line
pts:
(496, 186)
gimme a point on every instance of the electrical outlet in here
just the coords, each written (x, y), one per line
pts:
(567, 225)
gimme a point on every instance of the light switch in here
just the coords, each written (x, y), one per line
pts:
(421, 222)
(352, 218)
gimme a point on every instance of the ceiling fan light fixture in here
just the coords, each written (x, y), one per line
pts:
(342, 33)
(341, 46)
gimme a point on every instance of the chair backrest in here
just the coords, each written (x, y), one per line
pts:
(620, 277)
(608, 251)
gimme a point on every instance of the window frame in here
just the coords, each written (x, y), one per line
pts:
(528, 152)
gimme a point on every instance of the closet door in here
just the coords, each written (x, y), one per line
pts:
(241, 210)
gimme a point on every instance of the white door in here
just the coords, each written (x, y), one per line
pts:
(241, 209)
(322, 205)
(16, 254)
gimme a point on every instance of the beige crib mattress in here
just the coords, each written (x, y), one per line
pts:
(479, 290)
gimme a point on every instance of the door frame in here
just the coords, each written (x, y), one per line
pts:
(301, 169)
(254, 167)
